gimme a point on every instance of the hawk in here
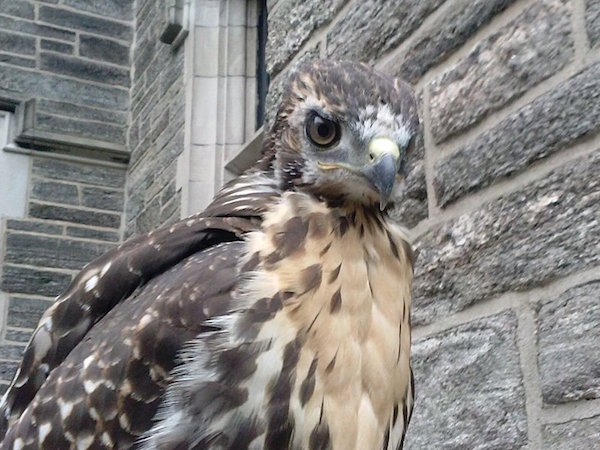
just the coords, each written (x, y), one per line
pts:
(279, 317)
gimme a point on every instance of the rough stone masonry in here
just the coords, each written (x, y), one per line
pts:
(502, 196)
(502, 201)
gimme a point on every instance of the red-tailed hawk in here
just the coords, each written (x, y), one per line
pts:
(277, 318)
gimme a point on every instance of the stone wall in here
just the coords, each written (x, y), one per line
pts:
(72, 57)
(73, 216)
(156, 136)
(502, 201)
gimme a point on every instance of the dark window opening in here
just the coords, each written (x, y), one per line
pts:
(262, 80)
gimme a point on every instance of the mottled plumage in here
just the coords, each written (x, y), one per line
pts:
(277, 318)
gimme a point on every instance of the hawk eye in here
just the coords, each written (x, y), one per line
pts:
(322, 132)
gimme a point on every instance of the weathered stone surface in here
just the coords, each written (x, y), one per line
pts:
(82, 216)
(541, 128)
(17, 8)
(17, 60)
(116, 134)
(33, 226)
(16, 335)
(54, 192)
(32, 84)
(117, 9)
(11, 352)
(27, 27)
(85, 70)
(16, 43)
(278, 85)
(93, 233)
(291, 26)
(80, 111)
(51, 252)
(143, 55)
(23, 280)
(575, 434)
(503, 66)
(411, 204)
(103, 49)
(446, 34)
(592, 20)
(370, 29)
(149, 218)
(469, 391)
(171, 211)
(55, 46)
(70, 171)
(69, 19)
(109, 199)
(25, 312)
(568, 337)
(7, 370)
(546, 230)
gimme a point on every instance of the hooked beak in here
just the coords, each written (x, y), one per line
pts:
(382, 171)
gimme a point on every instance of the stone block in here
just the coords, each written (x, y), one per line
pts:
(56, 46)
(447, 33)
(17, 43)
(117, 9)
(56, 169)
(546, 230)
(24, 280)
(592, 21)
(17, 60)
(7, 370)
(291, 25)
(83, 69)
(278, 85)
(33, 226)
(33, 84)
(25, 312)
(410, 205)
(80, 111)
(370, 29)
(534, 46)
(11, 352)
(83, 22)
(548, 124)
(575, 434)
(144, 54)
(171, 211)
(149, 218)
(17, 8)
(16, 335)
(568, 337)
(106, 132)
(99, 198)
(172, 73)
(34, 29)
(50, 251)
(75, 215)
(93, 233)
(103, 49)
(469, 390)
(52, 191)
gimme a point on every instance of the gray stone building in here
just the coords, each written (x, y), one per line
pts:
(121, 115)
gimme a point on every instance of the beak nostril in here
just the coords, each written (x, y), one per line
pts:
(371, 156)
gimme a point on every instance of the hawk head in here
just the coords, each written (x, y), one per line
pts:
(342, 132)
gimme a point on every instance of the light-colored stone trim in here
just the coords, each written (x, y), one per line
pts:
(223, 95)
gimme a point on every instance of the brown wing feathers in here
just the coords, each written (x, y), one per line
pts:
(112, 280)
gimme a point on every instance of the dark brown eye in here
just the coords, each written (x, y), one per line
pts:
(322, 132)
